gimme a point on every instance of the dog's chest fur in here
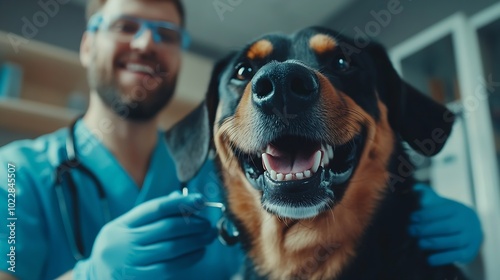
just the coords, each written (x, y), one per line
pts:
(385, 250)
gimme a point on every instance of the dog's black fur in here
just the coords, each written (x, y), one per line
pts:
(385, 250)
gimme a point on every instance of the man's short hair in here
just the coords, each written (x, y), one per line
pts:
(93, 6)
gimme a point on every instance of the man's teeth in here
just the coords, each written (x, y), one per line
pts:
(321, 158)
(140, 68)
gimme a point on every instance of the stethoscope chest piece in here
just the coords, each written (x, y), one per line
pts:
(227, 237)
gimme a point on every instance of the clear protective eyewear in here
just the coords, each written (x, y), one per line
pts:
(127, 28)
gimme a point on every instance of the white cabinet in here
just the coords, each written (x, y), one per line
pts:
(457, 63)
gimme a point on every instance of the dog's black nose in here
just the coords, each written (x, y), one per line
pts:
(284, 87)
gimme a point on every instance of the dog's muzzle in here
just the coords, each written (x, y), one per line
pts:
(297, 168)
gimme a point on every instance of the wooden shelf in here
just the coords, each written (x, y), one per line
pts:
(34, 118)
(51, 74)
(44, 65)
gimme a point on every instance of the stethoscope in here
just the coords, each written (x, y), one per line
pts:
(74, 235)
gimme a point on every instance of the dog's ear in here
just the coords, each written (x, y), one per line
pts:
(422, 122)
(190, 140)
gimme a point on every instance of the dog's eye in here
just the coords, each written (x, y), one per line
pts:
(243, 72)
(341, 64)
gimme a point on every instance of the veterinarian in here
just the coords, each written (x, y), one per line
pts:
(99, 200)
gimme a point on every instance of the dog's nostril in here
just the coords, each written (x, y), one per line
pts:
(297, 86)
(263, 87)
(302, 85)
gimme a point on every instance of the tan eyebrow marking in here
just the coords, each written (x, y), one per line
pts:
(322, 43)
(260, 49)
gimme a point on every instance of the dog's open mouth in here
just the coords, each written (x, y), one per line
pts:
(299, 177)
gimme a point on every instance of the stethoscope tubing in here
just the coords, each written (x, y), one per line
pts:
(74, 235)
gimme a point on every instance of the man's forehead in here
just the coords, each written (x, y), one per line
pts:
(148, 9)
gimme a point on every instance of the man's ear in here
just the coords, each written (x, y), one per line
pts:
(190, 140)
(422, 122)
(85, 46)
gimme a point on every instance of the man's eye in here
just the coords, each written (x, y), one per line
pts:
(169, 36)
(125, 26)
(244, 72)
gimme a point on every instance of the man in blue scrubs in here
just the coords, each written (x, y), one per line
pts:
(132, 51)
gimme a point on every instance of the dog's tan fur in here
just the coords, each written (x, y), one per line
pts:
(260, 50)
(322, 43)
(320, 247)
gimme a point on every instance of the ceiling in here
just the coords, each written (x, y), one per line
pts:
(221, 25)
(217, 26)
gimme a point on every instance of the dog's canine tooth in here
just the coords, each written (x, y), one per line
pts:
(299, 175)
(330, 152)
(307, 173)
(288, 177)
(325, 160)
(265, 162)
(317, 161)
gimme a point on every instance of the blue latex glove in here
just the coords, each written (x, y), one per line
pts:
(449, 230)
(154, 240)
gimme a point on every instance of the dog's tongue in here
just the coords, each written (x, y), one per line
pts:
(287, 162)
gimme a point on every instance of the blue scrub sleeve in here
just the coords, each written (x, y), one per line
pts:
(23, 242)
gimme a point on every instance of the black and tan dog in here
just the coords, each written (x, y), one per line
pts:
(308, 130)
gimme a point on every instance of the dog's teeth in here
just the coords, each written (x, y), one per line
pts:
(273, 174)
(317, 161)
(325, 159)
(330, 152)
(307, 173)
(265, 162)
(288, 177)
(259, 155)
(280, 177)
(299, 176)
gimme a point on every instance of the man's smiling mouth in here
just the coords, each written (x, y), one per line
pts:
(142, 68)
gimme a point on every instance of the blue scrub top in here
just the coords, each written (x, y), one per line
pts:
(42, 249)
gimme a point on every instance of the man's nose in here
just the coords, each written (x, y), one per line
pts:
(143, 40)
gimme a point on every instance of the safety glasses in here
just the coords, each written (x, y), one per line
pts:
(127, 28)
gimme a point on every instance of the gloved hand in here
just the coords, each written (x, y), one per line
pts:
(450, 230)
(154, 240)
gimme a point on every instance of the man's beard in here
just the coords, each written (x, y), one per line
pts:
(142, 104)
